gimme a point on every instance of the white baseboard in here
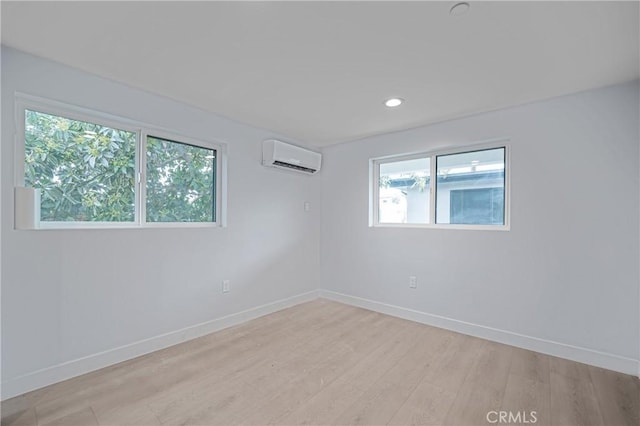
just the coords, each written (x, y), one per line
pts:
(57, 373)
(561, 350)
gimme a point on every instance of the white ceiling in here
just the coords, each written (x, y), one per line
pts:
(318, 72)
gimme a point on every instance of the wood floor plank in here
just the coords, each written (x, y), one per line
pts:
(568, 368)
(618, 396)
(314, 373)
(135, 414)
(527, 395)
(350, 386)
(325, 363)
(573, 402)
(20, 409)
(84, 417)
(531, 365)
(20, 418)
(271, 393)
(484, 386)
(382, 400)
(492, 367)
(427, 405)
(454, 362)
(527, 398)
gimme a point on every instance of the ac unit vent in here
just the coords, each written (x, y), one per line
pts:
(293, 166)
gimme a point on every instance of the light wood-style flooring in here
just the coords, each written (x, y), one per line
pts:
(327, 363)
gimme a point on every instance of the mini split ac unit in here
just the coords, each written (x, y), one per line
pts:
(286, 156)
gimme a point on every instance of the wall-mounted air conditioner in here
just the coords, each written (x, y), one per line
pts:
(290, 157)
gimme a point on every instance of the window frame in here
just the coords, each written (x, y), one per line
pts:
(25, 102)
(374, 186)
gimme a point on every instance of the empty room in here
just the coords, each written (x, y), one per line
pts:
(321, 213)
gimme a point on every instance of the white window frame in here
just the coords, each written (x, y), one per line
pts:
(33, 103)
(374, 187)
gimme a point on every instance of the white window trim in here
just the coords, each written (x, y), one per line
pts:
(142, 130)
(374, 185)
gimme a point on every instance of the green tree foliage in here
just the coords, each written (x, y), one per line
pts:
(384, 181)
(419, 181)
(180, 182)
(86, 172)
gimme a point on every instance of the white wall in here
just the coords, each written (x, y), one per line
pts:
(563, 280)
(75, 293)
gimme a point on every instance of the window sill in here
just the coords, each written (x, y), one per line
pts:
(62, 226)
(443, 226)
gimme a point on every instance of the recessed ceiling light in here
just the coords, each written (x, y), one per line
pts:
(393, 102)
(459, 9)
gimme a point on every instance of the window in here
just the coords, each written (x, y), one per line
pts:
(468, 189)
(85, 171)
(481, 206)
(180, 182)
(403, 195)
(95, 172)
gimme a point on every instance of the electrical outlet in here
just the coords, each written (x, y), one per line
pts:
(225, 286)
(413, 282)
